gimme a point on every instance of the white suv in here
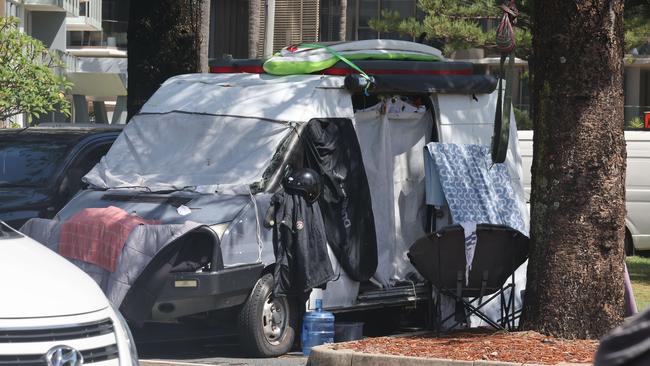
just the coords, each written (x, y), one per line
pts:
(52, 313)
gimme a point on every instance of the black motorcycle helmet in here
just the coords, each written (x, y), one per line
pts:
(305, 182)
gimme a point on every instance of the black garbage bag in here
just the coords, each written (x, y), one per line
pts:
(628, 344)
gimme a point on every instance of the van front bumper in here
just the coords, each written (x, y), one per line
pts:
(187, 293)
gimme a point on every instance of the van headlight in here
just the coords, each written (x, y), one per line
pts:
(125, 342)
(220, 229)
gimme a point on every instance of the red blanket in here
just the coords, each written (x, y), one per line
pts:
(97, 235)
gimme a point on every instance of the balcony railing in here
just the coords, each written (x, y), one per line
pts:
(71, 7)
(89, 19)
(63, 63)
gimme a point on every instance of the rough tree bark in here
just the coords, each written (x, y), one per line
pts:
(254, 20)
(343, 31)
(165, 39)
(204, 34)
(575, 272)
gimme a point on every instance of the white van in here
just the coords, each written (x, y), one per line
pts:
(208, 152)
(637, 185)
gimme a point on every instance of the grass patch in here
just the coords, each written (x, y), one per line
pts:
(639, 269)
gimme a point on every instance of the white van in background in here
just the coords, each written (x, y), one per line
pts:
(637, 185)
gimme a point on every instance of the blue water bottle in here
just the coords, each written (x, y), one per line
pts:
(317, 328)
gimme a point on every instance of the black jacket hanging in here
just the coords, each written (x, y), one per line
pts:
(299, 244)
(332, 149)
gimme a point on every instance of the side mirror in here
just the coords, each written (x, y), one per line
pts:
(304, 181)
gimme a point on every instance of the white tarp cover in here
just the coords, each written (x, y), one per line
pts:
(391, 145)
(211, 132)
(182, 151)
(294, 98)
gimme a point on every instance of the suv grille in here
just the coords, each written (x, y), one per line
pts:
(86, 330)
(90, 356)
(67, 334)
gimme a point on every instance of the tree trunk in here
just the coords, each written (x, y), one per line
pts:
(575, 271)
(254, 20)
(343, 31)
(204, 30)
(164, 41)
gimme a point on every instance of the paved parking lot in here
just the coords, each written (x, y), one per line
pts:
(199, 349)
(196, 344)
(289, 360)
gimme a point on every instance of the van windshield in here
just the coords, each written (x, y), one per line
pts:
(29, 163)
(175, 151)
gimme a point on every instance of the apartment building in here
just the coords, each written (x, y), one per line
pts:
(84, 34)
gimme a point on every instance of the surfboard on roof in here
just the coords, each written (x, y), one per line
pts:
(309, 58)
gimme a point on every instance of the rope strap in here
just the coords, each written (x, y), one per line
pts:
(344, 59)
(506, 43)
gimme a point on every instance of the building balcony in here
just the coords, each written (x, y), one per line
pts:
(71, 7)
(89, 19)
(63, 63)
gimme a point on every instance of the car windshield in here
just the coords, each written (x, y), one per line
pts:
(6, 232)
(29, 163)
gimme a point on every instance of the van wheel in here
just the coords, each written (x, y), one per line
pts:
(267, 324)
(629, 246)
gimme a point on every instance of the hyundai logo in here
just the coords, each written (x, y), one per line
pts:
(64, 356)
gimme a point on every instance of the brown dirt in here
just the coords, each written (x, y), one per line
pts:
(480, 345)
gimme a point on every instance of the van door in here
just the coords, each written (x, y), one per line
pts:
(637, 187)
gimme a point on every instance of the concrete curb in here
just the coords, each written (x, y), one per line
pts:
(326, 356)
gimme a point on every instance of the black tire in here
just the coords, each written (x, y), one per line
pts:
(629, 246)
(258, 324)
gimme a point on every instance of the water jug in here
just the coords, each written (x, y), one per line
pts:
(317, 328)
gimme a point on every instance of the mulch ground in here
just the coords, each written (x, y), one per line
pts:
(480, 345)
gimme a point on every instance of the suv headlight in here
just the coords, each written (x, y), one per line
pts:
(125, 342)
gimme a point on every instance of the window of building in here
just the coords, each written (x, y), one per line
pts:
(12, 8)
(115, 16)
(637, 99)
(330, 20)
(369, 9)
(357, 15)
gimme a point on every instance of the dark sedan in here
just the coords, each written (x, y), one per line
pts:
(41, 167)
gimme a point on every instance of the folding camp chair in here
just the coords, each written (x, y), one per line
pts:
(440, 258)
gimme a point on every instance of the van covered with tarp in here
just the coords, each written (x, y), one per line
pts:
(191, 213)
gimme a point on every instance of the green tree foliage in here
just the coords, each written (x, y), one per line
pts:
(164, 41)
(389, 21)
(28, 83)
(461, 24)
(457, 24)
(637, 24)
(411, 27)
